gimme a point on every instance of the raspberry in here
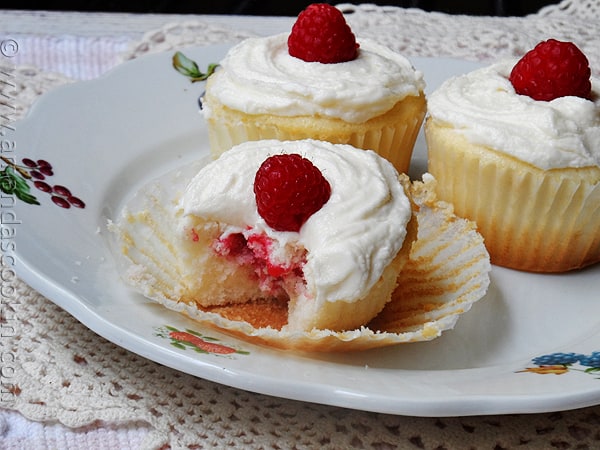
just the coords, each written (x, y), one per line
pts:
(552, 69)
(321, 34)
(288, 190)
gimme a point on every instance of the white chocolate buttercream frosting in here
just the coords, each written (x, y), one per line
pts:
(258, 76)
(484, 106)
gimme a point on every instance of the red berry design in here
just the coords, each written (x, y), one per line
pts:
(61, 190)
(321, 34)
(45, 170)
(60, 201)
(36, 172)
(42, 186)
(551, 70)
(29, 162)
(288, 190)
(63, 197)
(76, 202)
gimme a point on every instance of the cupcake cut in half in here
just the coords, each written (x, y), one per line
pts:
(303, 245)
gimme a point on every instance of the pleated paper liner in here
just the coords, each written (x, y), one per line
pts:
(447, 273)
(391, 135)
(531, 219)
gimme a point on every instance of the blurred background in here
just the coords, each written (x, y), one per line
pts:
(280, 7)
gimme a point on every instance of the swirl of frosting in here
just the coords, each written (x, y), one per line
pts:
(484, 107)
(258, 76)
(350, 240)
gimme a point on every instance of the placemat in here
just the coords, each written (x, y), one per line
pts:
(57, 372)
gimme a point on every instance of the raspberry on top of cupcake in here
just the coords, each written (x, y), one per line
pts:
(551, 70)
(316, 82)
(516, 147)
(321, 34)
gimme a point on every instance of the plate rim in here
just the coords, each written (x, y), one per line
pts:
(449, 406)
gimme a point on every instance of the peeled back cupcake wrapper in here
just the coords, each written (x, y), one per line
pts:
(447, 272)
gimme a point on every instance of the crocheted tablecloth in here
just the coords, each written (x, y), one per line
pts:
(57, 373)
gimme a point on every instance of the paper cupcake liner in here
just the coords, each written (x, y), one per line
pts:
(531, 219)
(393, 139)
(447, 272)
(395, 144)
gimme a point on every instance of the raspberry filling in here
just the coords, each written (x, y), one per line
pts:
(276, 266)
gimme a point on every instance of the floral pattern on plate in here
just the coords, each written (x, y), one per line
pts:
(561, 363)
(189, 68)
(190, 339)
(15, 180)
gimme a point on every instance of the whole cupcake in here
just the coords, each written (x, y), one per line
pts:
(318, 83)
(516, 148)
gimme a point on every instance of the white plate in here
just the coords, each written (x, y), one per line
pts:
(106, 137)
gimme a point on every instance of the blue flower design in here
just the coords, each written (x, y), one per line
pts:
(592, 360)
(560, 363)
(558, 359)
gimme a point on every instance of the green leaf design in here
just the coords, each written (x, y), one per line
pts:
(12, 182)
(195, 333)
(8, 181)
(26, 197)
(21, 182)
(189, 68)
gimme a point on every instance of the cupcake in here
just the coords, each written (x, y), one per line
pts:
(515, 147)
(284, 221)
(316, 83)
(281, 243)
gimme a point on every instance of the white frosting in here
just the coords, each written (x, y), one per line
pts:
(259, 76)
(350, 240)
(484, 106)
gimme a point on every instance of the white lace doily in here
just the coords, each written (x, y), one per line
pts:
(62, 372)
(414, 32)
